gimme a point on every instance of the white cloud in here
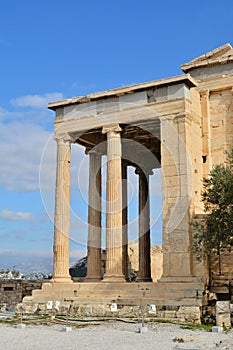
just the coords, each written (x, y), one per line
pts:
(4, 235)
(36, 101)
(24, 139)
(26, 252)
(7, 116)
(15, 215)
(3, 114)
(30, 154)
(21, 145)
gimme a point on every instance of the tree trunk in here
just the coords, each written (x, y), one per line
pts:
(219, 263)
(219, 258)
(209, 270)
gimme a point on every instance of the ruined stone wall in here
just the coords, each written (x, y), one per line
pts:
(221, 123)
(12, 292)
(216, 101)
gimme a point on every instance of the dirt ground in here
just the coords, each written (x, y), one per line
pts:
(112, 336)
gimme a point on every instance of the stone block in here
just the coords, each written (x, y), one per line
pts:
(152, 309)
(178, 91)
(223, 320)
(113, 307)
(189, 313)
(28, 307)
(125, 311)
(143, 330)
(132, 100)
(107, 105)
(80, 110)
(217, 329)
(67, 329)
(222, 307)
(223, 314)
(87, 310)
(98, 310)
(20, 326)
(169, 314)
(184, 339)
(40, 307)
(2, 307)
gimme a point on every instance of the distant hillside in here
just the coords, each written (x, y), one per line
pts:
(79, 269)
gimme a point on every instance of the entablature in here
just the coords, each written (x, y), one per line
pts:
(121, 93)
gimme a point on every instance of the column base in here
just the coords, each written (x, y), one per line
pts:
(61, 280)
(144, 279)
(93, 279)
(183, 279)
(114, 278)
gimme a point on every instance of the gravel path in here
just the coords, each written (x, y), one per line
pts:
(112, 336)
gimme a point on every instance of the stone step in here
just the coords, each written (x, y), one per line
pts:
(134, 301)
(220, 289)
(172, 299)
(125, 293)
(149, 291)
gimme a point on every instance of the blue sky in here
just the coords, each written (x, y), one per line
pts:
(50, 50)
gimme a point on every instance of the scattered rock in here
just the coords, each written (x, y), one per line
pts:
(184, 339)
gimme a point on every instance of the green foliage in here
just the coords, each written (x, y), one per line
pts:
(206, 327)
(214, 234)
(203, 243)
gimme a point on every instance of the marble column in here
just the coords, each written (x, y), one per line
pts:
(124, 219)
(62, 214)
(114, 268)
(94, 218)
(144, 226)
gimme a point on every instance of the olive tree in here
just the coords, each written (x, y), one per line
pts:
(213, 234)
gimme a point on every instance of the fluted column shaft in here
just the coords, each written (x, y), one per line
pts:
(144, 228)
(124, 219)
(114, 270)
(94, 218)
(62, 214)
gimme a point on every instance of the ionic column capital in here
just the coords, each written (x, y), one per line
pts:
(205, 93)
(63, 150)
(62, 142)
(145, 171)
(93, 151)
(111, 128)
(63, 138)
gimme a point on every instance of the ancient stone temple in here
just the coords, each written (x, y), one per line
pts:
(180, 124)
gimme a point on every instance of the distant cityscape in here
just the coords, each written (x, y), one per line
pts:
(28, 265)
(37, 270)
(15, 274)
